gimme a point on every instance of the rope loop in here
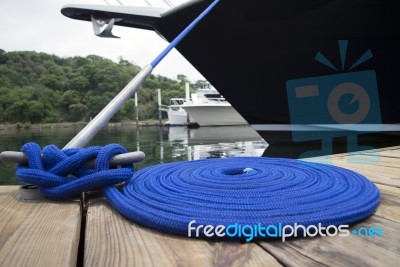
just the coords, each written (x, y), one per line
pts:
(237, 190)
(62, 174)
(245, 191)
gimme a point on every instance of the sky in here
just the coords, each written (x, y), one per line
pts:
(38, 25)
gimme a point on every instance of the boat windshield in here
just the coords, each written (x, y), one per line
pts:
(176, 101)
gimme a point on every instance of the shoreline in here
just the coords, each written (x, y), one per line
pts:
(28, 126)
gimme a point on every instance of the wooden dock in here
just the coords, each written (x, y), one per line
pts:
(48, 233)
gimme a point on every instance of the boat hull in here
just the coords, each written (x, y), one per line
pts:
(178, 117)
(275, 48)
(215, 115)
(290, 62)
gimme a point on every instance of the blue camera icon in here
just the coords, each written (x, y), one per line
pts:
(339, 105)
(336, 104)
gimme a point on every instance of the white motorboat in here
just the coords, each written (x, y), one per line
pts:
(208, 108)
(176, 114)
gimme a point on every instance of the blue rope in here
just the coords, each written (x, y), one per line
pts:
(183, 34)
(245, 190)
(51, 172)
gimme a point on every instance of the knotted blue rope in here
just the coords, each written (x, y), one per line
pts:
(51, 172)
(244, 190)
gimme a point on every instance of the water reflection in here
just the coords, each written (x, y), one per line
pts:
(215, 142)
(160, 144)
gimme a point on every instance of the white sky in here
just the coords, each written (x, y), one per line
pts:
(38, 25)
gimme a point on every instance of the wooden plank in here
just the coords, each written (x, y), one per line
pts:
(390, 152)
(355, 250)
(388, 149)
(376, 173)
(389, 208)
(111, 240)
(342, 251)
(375, 159)
(37, 233)
(386, 153)
(381, 170)
(387, 157)
(373, 168)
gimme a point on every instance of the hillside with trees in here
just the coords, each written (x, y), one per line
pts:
(42, 88)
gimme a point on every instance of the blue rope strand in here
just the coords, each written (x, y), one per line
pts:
(245, 190)
(54, 181)
(183, 34)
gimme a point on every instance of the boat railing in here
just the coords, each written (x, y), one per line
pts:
(205, 100)
(177, 101)
(174, 104)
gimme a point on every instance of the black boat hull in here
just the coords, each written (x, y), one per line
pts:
(259, 54)
(302, 73)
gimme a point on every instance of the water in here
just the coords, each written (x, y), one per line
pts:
(161, 145)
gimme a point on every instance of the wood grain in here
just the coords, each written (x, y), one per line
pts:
(355, 250)
(342, 251)
(389, 207)
(375, 159)
(380, 170)
(37, 233)
(111, 240)
(46, 233)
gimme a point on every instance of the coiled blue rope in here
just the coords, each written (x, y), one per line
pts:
(243, 190)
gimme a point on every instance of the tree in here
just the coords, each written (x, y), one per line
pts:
(38, 87)
(127, 111)
(36, 111)
(51, 81)
(17, 112)
(9, 77)
(182, 78)
(77, 112)
(69, 98)
(124, 62)
(78, 83)
(201, 84)
(96, 103)
(80, 61)
(3, 56)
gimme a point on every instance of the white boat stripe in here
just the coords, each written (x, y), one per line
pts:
(328, 127)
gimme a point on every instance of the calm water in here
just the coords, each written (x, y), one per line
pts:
(160, 145)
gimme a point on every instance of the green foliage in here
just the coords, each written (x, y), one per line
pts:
(77, 111)
(3, 56)
(42, 88)
(201, 84)
(69, 98)
(182, 78)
